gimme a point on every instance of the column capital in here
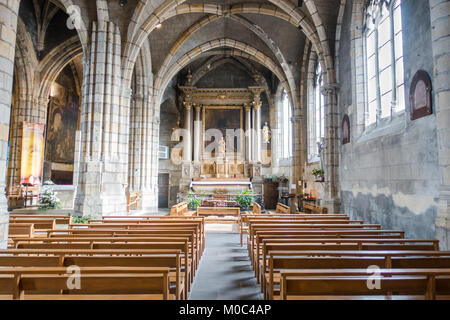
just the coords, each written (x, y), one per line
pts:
(198, 107)
(247, 107)
(328, 89)
(257, 104)
(187, 105)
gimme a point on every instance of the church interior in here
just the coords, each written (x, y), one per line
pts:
(293, 144)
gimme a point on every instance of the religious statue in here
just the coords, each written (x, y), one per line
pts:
(266, 133)
(321, 149)
(222, 147)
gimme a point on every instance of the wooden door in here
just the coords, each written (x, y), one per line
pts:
(271, 195)
(163, 192)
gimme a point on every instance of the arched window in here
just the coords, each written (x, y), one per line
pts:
(316, 114)
(385, 85)
(286, 126)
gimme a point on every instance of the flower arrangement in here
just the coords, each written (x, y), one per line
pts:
(319, 174)
(49, 200)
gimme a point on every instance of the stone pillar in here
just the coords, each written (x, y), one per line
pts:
(150, 189)
(141, 145)
(8, 28)
(440, 33)
(253, 136)
(248, 133)
(331, 161)
(299, 148)
(105, 120)
(187, 139)
(257, 108)
(197, 133)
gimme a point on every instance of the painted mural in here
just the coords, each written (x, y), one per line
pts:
(62, 126)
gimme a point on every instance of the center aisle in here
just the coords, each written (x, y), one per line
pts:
(225, 272)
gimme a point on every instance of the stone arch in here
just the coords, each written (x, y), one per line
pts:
(170, 9)
(164, 76)
(55, 61)
(261, 34)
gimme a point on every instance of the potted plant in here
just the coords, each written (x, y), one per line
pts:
(81, 220)
(246, 199)
(192, 200)
(319, 174)
(48, 200)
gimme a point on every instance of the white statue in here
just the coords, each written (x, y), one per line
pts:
(266, 133)
(222, 147)
(321, 149)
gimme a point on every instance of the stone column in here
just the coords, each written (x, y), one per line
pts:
(331, 161)
(248, 133)
(440, 34)
(197, 133)
(8, 28)
(257, 108)
(253, 136)
(150, 192)
(299, 148)
(187, 139)
(141, 145)
(105, 121)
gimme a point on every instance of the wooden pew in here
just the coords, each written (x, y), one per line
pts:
(314, 208)
(88, 242)
(180, 209)
(39, 224)
(429, 284)
(338, 244)
(272, 225)
(7, 286)
(21, 230)
(278, 263)
(145, 286)
(128, 233)
(256, 210)
(170, 224)
(253, 218)
(179, 224)
(60, 220)
(128, 264)
(282, 208)
(160, 218)
(186, 261)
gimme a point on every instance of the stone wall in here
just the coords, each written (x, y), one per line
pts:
(391, 176)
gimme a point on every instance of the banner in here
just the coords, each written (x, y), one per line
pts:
(32, 153)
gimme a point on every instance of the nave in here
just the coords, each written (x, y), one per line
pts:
(284, 256)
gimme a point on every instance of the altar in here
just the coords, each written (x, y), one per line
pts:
(220, 186)
(222, 152)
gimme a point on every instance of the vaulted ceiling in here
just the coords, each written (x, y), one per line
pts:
(267, 37)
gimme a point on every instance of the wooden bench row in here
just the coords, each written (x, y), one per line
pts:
(312, 258)
(122, 242)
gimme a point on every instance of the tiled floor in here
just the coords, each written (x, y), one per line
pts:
(225, 272)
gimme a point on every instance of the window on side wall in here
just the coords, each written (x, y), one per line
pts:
(384, 72)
